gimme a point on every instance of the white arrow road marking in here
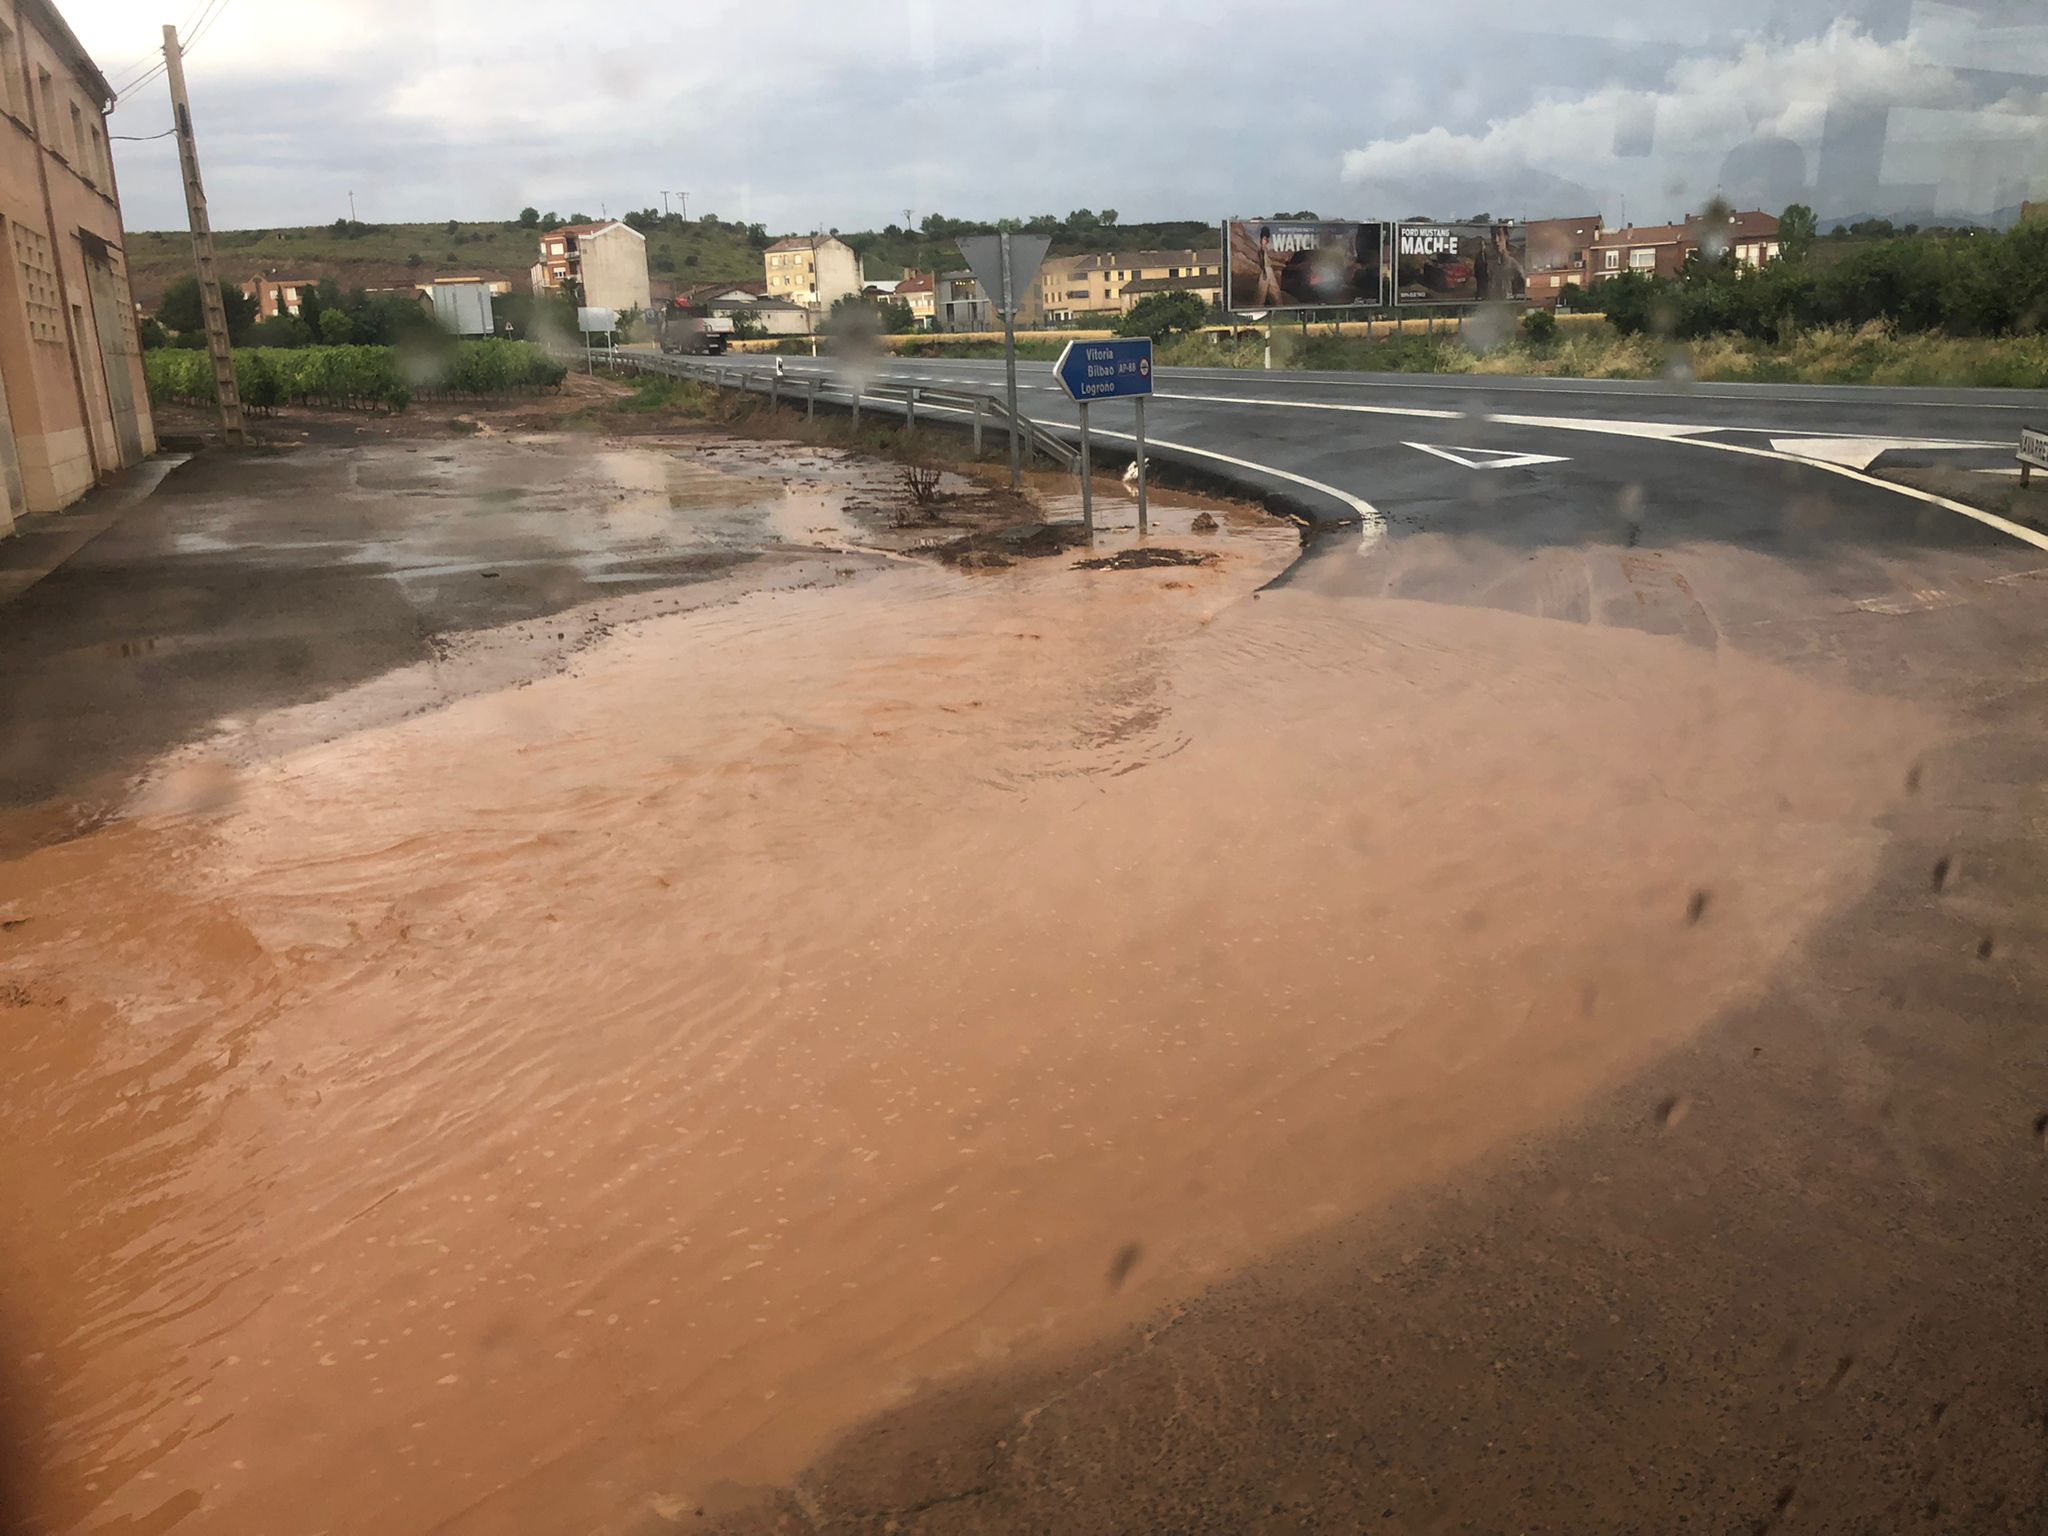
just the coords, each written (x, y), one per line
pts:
(1860, 452)
(1681, 434)
(1496, 458)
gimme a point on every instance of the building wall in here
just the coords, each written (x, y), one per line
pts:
(68, 349)
(615, 270)
(838, 272)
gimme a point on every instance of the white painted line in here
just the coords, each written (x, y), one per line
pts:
(1373, 524)
(1667, 432)
(1496, 458)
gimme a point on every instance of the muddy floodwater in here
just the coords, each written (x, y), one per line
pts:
(573, 1106)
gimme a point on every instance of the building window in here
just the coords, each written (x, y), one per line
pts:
(1642, 259)
(101, 159)
(46, 102)
(7, 71)
(83, 165)
(1610, 261)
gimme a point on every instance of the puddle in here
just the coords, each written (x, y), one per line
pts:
(528, 1116)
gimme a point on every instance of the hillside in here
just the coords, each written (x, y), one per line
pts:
(382, 255)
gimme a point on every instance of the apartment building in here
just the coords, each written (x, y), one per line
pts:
(608, 260)
(75, 407)
(1073, 287)
(1560, 255)
(1660, 250)
(814, 270)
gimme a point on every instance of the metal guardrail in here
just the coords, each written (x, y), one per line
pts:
(813, 388)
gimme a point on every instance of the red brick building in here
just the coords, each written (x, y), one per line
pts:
(1660, 250)
(1560, 251)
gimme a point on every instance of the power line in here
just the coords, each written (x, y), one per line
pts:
(142, 138)
(196, 26)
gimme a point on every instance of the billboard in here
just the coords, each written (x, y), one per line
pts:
(1460, 263)
(1302, 264)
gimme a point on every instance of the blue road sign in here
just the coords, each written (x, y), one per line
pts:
(1106, 370)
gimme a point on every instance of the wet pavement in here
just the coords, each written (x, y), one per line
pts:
(577, 989)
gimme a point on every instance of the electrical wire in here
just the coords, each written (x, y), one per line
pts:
(196, 26)
(142, 138)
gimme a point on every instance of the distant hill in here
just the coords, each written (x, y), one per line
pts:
(385, 255)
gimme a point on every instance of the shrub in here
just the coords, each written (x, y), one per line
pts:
(352, 377)
(1539, 328)
(1160, 315)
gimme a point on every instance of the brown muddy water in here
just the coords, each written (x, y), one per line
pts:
(574, 1107)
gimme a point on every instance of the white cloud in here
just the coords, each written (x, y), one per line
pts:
(1705, 107)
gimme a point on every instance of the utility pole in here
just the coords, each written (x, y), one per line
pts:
(664, 202)
(351, 205)
(202, 248)
(683, 198)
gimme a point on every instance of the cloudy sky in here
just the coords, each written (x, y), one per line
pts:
(846, 113)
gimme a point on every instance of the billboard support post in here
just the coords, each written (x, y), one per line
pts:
(1087, 480)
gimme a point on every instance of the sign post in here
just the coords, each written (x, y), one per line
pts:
(1107, 370)
(2033, 454)
(1005, 266)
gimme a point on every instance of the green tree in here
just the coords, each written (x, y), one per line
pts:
(529, 217)
(336, 328)
(580, 218)
(747, 326)
(1797, 230)
(180, 308)
(1160, 315)
(1539, 327)
(151, 333)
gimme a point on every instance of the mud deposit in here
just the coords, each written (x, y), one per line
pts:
(579, 1104)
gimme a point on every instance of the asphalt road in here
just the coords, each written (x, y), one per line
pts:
(1529, 479)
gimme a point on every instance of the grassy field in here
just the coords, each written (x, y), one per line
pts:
(381, 255)
(1589, 348)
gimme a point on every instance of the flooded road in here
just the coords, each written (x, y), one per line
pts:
(573, 1107)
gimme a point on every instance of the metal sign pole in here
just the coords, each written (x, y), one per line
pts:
(1010, 372)
(1087, 480)
(1143, 526)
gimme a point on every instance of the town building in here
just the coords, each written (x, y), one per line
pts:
(1560, 254)
(276, 295)
(606, 260)
(1073, 287)
(726, 301)
(74, 408)
(813, 270)
(918, 293)
(962, 305)
(1660, 250)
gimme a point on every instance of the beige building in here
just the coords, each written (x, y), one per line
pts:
(76, 409)
(919, 294)
(1075, 287)
(608, 260)
(814, 270)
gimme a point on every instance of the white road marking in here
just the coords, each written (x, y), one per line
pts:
(1860, 452)
(1671, 433)
(1496, 458)
(1372, 524)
